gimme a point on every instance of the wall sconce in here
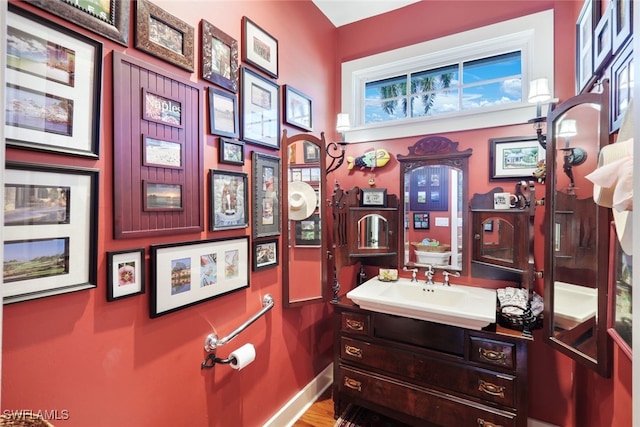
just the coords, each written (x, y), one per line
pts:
(338, 148)
(538, 93)
(573, 156)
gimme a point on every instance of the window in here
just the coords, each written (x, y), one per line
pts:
(479, 75)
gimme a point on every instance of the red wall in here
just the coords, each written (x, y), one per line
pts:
(109, 364)
(560, 391)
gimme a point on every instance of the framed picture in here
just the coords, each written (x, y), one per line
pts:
(50, 230)
(51, 107)
(259, 48)
(159, 196)
(162, 109)
(621, 86)
(298, 109)
(488, 226)
(188, 273)
(229, 200)
(231, 151)
(265, 254)
(373, 197)
(309, 231)
(620, 322)
(109, 19)
(160, 153)
(602, 36)
(260, 110)
(223, 113)
(514, 158)
(421, 220)
(311, 152)
(125, 273)
(219, 57)
(266, 195)
(429, 189)
(585, 26)
(163, 35)
(621, 17)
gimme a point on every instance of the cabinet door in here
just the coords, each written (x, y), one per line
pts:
(500, 238)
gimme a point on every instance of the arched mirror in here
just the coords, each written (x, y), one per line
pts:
(304, 260)
(577, 235)
(434, 204)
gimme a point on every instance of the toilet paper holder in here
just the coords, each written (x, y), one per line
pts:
(211, 361)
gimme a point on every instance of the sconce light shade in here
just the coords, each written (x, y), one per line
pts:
(539, 90)
(568, 128)
(343, 124)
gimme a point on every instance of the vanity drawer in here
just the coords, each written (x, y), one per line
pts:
(493, 353)
(355, 323)
(423, 403)
(416, 368)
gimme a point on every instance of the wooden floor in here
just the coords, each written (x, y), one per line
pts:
(320, 414)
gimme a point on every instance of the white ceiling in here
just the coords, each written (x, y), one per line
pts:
(342, 12)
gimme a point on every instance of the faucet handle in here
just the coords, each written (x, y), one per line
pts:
(446, 275)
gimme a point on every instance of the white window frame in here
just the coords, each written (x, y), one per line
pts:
(531, 34)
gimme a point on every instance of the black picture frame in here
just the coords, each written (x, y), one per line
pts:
(311, 152)
(260, 105)
(265, 254)
(585, 26)
(125, 273)
(298, 108)
(514, 158)
(374, 197)
(77, 96)
(231, 151)
(267, 189)
(308, 232)
(223, 113)
(421, 220)
(259, 48)
(622, 22)
(621, 91)
(229, 200)
(219, 57)
(602, 41)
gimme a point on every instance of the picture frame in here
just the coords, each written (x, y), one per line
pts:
(309, 231)
(620, 316)
(223, 113)
(621, 90)
(421, 220)
(163, 35)
(189, 273)
(265, 254)
(231, 151)
(219, 57)
(266, 195)
(488, 226)
(229, 200)
(50, 230)
(162, 153)
(585, 25)
(162, 197)
(259, 48)
(64, 103)
(125, 273)
(260, 110)
(428, 189)
(110, 19)
(621, 23)
(376, 197)
(298, 109)
(602, 41)
(162, 109)
(311, 152)
(514, 158)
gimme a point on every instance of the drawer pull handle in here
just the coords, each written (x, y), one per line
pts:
(355, 325)
(492, 389)
(484, 423)
(353, 351)
(352, 384)
(493, 356)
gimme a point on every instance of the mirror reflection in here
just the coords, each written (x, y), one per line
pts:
(373, 232)
(498, 240)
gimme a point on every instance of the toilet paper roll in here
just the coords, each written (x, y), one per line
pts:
(243, 356)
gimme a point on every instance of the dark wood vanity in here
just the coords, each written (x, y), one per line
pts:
(428, 374)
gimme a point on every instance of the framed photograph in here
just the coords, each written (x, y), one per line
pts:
(50, 230)
(589, 15)
(229, 200)
(620, 322)
(159, 196)
(223, 113)
(53, 87)
(309, 231)
(488, 226)
(125, 273)
(160, 153)
(621, 18)
(161, 109)
(266, 195)
(163, 35)
(602, 36)
(298, 109)
(188, 273)
(231, 151)
(421, 220)
(514, 158)
(311, 152)
(373, 197)
(260, 110)
(621, 86)
(219, 57)
(428, 189)
(259, 48)
(109, 19)
(265, 254)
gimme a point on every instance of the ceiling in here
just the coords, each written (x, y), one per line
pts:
(342, 12)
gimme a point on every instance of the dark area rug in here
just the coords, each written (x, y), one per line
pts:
(355, 416)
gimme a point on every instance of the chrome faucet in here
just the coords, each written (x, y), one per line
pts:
(446, 275)
(429, 285)
(414, 272)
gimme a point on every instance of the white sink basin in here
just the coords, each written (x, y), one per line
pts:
(456, 305)
(573, 304)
